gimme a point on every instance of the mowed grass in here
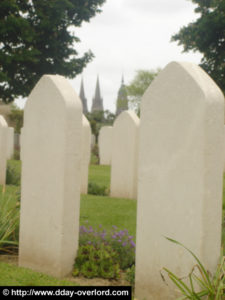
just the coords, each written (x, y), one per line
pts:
(106, 211)
(100, 175)
(11, 275)
(94, 211)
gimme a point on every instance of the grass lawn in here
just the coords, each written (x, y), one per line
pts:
(94, 211)
(100, 175)
(12, 275)
(106, 211)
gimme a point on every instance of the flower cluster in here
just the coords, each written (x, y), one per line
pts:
(119, 240)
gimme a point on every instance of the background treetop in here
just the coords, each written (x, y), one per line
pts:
(207, 35)
(37, 37)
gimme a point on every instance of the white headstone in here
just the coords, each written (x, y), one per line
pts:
(50, 152)
(124, 156)
(85, 154)
(3, 149)
(105, 145)
(180, 177)
(10, 149)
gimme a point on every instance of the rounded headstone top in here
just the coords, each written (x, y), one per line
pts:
(3, 122)
(85, 122)
(56, 86)
(127, 115)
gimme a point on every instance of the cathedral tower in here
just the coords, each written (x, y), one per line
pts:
(97, 104)
(83, 98)
(122, 101)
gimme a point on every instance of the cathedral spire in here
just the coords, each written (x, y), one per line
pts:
(97, 104)
(82, 97)
(122, 101)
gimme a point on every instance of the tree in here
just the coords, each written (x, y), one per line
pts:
(16, 118)
(207, 35)
(98, 119)
(37, 37)
(138, 86)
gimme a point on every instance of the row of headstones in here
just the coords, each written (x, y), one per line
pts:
(118, 147)
(6, 147)
(181, 146)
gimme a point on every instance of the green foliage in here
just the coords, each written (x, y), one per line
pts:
(9, 224)
(97, 261)
(37, 37)
(104, 254)
(95, 155)
(96, 189)
(138, 86)
(206, 35)
(212, 287)
(130, 275)
(16, 118)
(98, 119)
(13, 172)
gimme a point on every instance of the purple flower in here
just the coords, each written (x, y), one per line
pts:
(90, 229)
(132, 244)
(124, 244)
(119, 241)
(113, 236)
(130, 237)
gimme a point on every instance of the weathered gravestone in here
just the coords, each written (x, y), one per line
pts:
(10, 146)
(85, 154)
(124, 156)
(50, 152)
(105, 145)
(180, 177)
(3, 149)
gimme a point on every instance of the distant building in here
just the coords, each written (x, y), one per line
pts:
(122, 101)
(97, 104)
(83, 98)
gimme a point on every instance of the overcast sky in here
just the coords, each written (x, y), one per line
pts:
(127, 36)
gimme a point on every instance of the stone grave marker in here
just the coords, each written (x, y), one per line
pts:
(85, 154)
(105, 145)
(180, 177)
(124, 156)
(50, 188)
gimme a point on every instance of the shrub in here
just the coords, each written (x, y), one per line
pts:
(97, 261)
(119, 240)
(96, 189)
(130, 275)
(95, 155)
(16, 155)
(13, 172)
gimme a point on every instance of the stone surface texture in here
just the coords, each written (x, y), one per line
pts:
(85, 154)
(124, 156)
(50, 203)
(180, 177)
(3, 149)
(10, 148)
(105, 145)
